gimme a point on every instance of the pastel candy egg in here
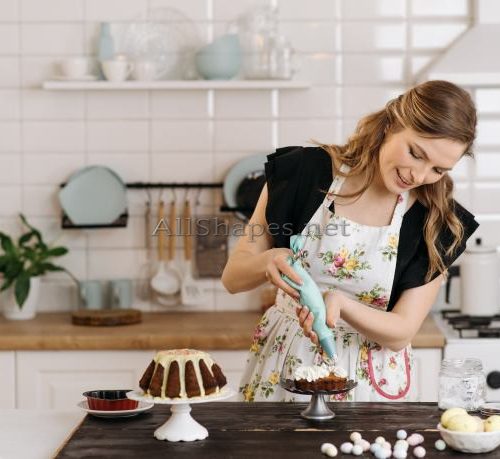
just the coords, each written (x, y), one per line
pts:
(401, 434)
(419, 451)
(399, 454)
(440, 445)
(357, 450)
(415, 439)
(346, 447)
(382, 453)
(324, 447)
(379, 440)
(355, 436)
(365, 444)
(401, 444)
(386, 445)
(331, 451)
(374, 447)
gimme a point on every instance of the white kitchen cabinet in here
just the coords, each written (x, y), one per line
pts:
(56, 379)
(7, 379)
(427, 363)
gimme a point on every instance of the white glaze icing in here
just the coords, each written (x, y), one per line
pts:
(165, 358)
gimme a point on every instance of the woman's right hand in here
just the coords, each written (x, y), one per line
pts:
(277, 265)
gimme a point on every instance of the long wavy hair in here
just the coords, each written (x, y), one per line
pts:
(434, 109)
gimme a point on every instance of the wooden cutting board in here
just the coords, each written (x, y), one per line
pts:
(106, 317)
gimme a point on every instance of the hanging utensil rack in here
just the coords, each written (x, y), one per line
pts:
(121, 221)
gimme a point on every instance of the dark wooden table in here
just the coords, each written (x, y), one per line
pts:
(256, 430)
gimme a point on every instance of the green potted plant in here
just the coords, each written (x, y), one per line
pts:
(21, 266)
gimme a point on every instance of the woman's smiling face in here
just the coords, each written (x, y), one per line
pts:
(408, 160)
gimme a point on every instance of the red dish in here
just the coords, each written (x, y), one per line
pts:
(110, 400)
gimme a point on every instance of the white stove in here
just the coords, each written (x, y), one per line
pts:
(473, 337)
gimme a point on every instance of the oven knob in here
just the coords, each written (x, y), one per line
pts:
(493, 379)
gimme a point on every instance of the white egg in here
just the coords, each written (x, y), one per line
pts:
(401, 434)
(355, 436)
(357, 450)
(324, 447)
(440, 445)
(346, 447)
(399, 454)
(401, 444)
(379, 440)
(365, 444)
(331, 451)
(419, 451)
(382, 453)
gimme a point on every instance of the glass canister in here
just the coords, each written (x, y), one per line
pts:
(462, 383)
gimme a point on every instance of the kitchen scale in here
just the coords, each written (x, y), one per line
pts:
(181, 426)
(317, 410)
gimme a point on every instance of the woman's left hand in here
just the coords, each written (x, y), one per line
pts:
(333, 301)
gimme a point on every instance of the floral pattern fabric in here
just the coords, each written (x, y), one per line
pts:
(361, 263)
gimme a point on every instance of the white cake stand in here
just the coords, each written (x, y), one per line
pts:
(181, 426)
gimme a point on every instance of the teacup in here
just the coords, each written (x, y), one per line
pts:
(116, 70)
(145, 70)
(74, 67)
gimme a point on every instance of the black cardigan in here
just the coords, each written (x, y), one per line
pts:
(295, 175)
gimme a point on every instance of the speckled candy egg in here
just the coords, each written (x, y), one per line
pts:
(401, 444)
(401, 434)
(346, 447)
(419, 451)
(440, 445)
(379, 440)
(324, 447)
(331, 451)
(355, 436)
(374, 447)
(399, 454)
(357, 450)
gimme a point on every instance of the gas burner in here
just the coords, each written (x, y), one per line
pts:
(469, 321)
(489, 333)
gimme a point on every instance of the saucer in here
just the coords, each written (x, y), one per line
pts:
(82, 78)
(143, 406)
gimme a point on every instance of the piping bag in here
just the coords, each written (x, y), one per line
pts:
(311, 297)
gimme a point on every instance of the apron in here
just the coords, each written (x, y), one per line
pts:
(360, 261)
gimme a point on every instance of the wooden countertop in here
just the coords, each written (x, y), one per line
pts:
(228, 330)
(258, 430)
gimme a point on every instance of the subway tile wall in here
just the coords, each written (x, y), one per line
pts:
(357, 54)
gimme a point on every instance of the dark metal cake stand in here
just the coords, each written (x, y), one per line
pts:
(317, 410)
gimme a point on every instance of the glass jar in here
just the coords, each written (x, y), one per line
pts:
(461, 384)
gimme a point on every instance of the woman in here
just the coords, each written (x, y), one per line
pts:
(378, 243)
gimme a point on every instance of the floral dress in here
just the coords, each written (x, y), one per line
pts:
(360, 261)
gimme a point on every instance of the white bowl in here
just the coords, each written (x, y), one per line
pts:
(470, 442)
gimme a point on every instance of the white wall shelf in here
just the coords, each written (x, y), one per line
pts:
(174, 84)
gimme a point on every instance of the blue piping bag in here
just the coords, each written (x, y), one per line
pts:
(311, 297)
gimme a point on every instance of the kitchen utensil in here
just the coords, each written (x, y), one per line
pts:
(221, 59)
(94, 195)
(106, 317)
(168, 38)
(181, 426)
(144, 289)
(122, 293)
(191, 293)
(116, 70)
(211, 245)
(110, 400)
(92, 294)
(74, 68)
(166, 280)
(141, 408)
(237, 174)
(479, 272)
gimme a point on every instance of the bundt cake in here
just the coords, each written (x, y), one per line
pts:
(182, 373)
(314, 378)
